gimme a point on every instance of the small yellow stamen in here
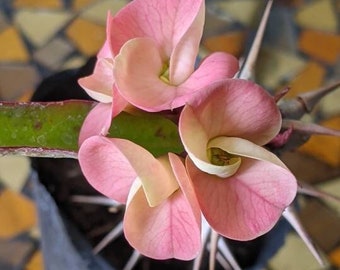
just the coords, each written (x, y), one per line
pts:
(221, 158)
(164, 75)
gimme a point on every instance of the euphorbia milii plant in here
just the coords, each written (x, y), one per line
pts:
(242, 188)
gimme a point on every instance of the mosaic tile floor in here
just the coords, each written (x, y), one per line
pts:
(301, 49)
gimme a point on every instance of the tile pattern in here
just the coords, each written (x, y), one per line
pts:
(301, 49)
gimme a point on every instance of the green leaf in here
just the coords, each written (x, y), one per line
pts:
(52, 129)
(155, 133)
(53, 125)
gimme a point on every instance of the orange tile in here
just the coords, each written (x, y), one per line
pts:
(325, 148)
(232, 43)
(11, 46)
(26, 96)
(87, 36)
(321, 46)
(38, 3)
(36, 262)
(17, 214)
(310, 78)
(79, 4)
(334, 257)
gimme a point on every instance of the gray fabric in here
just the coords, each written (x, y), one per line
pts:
(59, 251)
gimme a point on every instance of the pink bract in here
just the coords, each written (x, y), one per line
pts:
(162, 217)
(244, 196)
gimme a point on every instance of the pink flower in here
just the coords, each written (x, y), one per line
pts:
(162, 216)
(242, 188)
(155, 44)
(148, 60)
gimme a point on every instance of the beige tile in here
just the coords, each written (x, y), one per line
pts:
(246, 11)
(87, 36)
(41, 26)
(12, 47)
(98, 11)
(330, 104)
(294, 255)
(14, 171)
(275, 67)
(318, 15)
(332, 187)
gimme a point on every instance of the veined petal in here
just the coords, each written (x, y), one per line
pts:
(183, 57)
(99, 85)
(164, 21)
(97, 122)
(242, 147)
(185, 184)
(106, 168)
(247, 204)
(216, 67)
(155, 174)
(238, 108)
(169, 230)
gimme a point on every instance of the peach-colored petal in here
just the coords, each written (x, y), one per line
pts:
(249, 203)
(99, 85)
(106, 168)
(169, 230)
(238, 108)
(155, 175)
(183, 56)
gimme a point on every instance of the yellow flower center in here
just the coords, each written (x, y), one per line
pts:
(219, 157)
(164, 75)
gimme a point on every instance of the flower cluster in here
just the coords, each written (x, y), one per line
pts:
(148, 62)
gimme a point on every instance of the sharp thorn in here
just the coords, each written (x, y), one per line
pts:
(101, 200)
(213, 249)
(309, 190)
(111, 236)
(247, 69)
(224, 250)
(206, 231)
(308, 128)
(310, 99)
(133, 260)
(290, 215)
